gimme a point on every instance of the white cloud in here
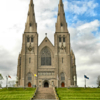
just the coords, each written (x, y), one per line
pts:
(81, 7)
(87, 51)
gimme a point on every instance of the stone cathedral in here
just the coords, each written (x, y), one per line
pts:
(46, 65)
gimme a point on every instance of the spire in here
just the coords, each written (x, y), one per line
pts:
(61, 25)
(31, 25)
(60, 2)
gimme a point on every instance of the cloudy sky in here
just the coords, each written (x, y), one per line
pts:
(83, 19)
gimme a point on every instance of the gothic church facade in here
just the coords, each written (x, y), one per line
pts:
(46, 65)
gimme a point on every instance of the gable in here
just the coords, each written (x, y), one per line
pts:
(46, 43)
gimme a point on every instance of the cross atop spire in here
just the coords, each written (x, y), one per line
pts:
(31, 25)
(61, 25)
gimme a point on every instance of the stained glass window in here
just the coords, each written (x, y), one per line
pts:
(45, 57)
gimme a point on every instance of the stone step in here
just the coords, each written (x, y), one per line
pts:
(45, 94)
(44, 99)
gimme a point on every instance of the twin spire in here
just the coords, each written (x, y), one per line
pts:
(31, 25)
(61, 25)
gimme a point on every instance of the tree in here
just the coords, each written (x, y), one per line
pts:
(11, 83)
(1, 78)
(98, 81)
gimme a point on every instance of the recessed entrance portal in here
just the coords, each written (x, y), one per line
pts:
(46, 84)
(29, 84)
(62, 84)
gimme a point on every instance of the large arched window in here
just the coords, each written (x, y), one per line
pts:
(45, 57)
(62, 76)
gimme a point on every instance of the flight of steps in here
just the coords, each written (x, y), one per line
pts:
(45, 94)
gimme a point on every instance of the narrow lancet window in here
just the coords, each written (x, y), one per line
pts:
(59, 39)
(61, 24)
(29, 60)
(63, 39)
(62, 60)
(30, 24)
(31, 39)
(28, 39)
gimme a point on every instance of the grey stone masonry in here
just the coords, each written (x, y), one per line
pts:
(45, 93)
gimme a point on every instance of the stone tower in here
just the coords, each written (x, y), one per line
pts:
(53, 65)
(62, 47)
(28, 56)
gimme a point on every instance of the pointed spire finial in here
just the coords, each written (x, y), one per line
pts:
(31, 2)
(60, 2)
(31, 25)
(61, 25)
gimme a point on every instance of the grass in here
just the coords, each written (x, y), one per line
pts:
(16, 93)
(78, 93)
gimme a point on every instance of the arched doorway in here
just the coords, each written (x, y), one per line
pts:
(46, 84)
(29, 84)
(62, 84)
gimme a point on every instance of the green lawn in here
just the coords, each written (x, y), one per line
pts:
(78, 93)
(16, 93)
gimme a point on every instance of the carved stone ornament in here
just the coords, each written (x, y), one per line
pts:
(62, 47)
(30, 47)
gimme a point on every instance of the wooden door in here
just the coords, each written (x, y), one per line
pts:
(62, 84)
(29, 84)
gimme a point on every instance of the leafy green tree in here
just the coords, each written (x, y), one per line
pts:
(98, 81)
(1, 78)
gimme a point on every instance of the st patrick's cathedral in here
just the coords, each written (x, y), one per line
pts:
(46, 65)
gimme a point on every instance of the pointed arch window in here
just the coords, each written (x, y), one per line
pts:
(62, 76)
(63, 39)
(59, 39)
(45, 57)
(61, 24)
(28, 39)
(32, 39)
(29, 60)
(30, 24)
